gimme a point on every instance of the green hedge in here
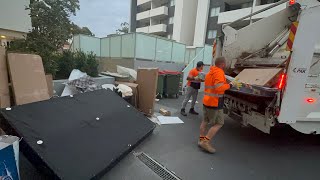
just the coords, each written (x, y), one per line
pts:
(67, 61)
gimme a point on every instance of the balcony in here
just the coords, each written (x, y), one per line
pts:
(158, 29)
(143, 15)
(143, 29)
(155, 29)
(230, 16)
(159, 12)
(140, 2)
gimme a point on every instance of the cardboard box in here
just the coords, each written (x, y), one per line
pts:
(49, 80)
(164, 112)
(135, 91)
(147, 80)
(261, 77)
(28, 78)
(4, 82)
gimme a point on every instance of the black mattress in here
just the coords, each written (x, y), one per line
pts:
(83, 136)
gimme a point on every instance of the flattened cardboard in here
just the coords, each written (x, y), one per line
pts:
(261, 77)
(49, 80)
(28, 78)
(147, 80)
(4, 82)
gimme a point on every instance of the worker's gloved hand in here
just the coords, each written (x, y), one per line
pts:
(235, 83)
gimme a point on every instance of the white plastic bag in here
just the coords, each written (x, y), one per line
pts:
(125, 90)
(108, 86)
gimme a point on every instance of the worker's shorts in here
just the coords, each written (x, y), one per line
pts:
(213, 116)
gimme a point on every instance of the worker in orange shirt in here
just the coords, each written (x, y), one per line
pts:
(193, 86)
(215, 86)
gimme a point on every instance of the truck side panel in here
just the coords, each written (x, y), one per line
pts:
(295, 106)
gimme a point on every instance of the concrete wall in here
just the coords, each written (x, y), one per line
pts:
(14, 16)
(133, 13)
(108, 64)
(171, 13)
(160, 65)
(201, 23)
(184, 21)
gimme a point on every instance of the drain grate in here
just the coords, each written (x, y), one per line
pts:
(156, 167)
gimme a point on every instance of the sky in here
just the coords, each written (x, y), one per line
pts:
(102, 17)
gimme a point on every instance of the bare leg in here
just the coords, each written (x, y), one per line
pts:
(213, 131)
(203, 128)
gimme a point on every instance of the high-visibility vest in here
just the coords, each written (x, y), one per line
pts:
(215, 86)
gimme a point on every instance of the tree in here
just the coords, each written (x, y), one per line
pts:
(124, 28)
(75, 29)
(51, 28)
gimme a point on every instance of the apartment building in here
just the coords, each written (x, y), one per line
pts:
(173, 19)
(15, 21)
(194, 22)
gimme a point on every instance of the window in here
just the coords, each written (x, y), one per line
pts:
(171, 20)
(172, 2)
(214, 11)
(212, 34)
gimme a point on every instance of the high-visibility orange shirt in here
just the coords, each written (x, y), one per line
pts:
(215, 86)
(193, 73)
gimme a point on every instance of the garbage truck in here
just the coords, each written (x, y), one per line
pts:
(290, 40)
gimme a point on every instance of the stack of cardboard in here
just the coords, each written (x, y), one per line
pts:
(144, 89)
(4, 83)
(147, 80)
(49, 80)
(28, 78)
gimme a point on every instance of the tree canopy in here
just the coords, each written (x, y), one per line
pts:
(124, 28)
(75, 29)
(51, 29)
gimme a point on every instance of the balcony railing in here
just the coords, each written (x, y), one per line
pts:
(159, 12)
(139, 2)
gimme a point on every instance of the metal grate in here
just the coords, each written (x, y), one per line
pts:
(156, 167)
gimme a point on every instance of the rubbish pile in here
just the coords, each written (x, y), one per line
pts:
(30, 103)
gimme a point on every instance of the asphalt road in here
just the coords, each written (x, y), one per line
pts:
(243, 153)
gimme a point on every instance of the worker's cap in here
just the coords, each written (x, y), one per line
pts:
(199, 64)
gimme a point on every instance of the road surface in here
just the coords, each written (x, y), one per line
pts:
(243, 153)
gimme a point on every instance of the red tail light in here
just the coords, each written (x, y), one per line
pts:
(282, 81)
(292, 2)
(310, 100)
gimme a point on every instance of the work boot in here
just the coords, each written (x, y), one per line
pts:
(205, 145)
(192, 111)
(183, 112)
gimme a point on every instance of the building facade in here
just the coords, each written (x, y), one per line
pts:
(15, 21)
(194, 22)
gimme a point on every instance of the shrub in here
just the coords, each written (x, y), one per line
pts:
(67, 61)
